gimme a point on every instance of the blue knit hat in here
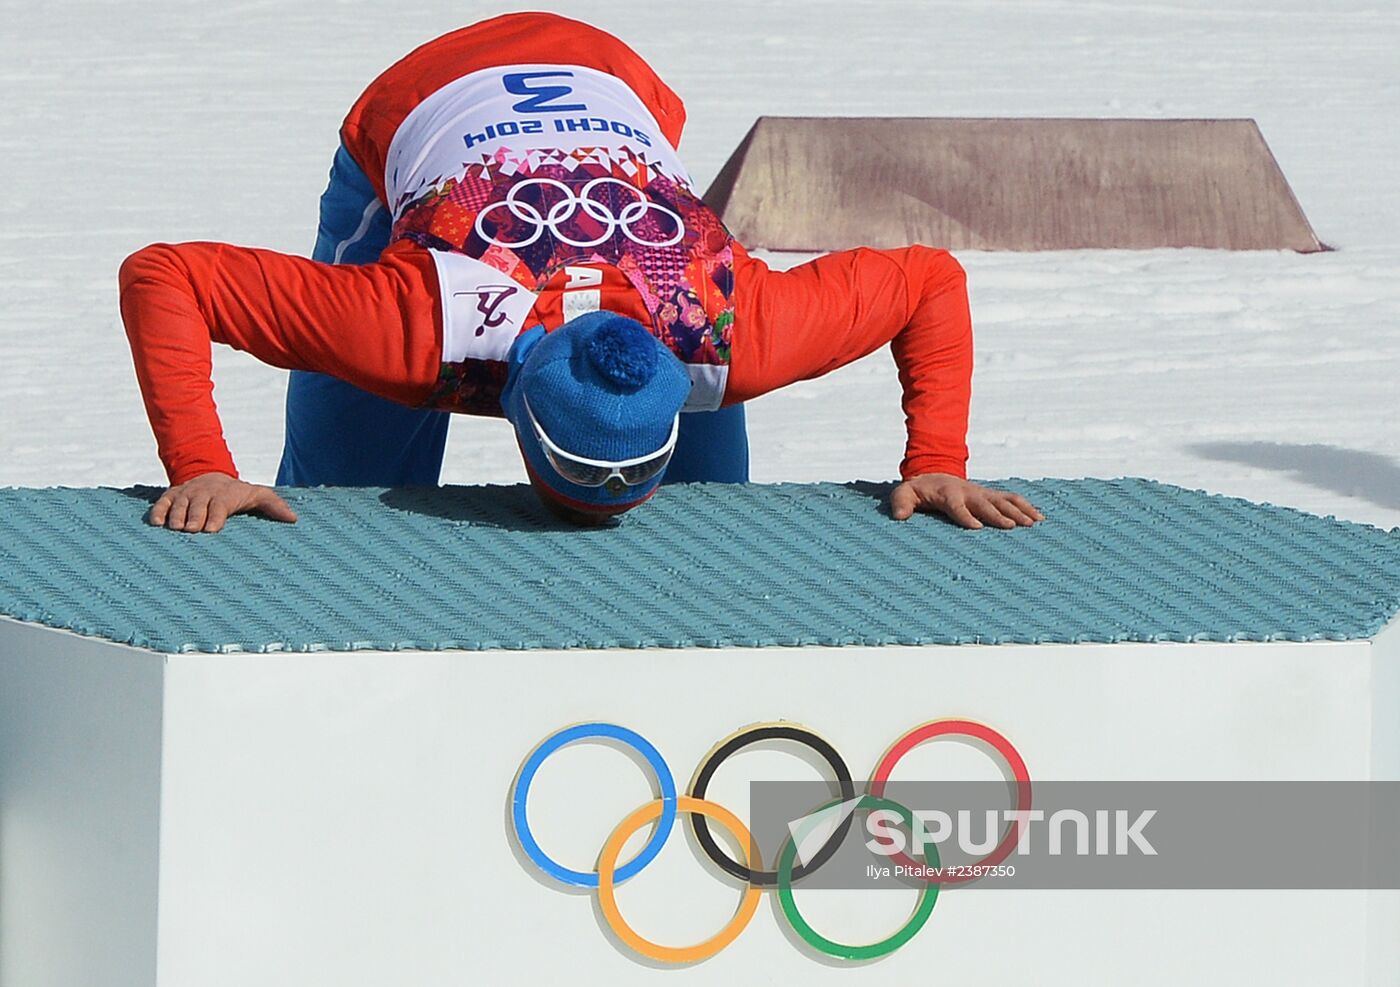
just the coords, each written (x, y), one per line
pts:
(601, 387)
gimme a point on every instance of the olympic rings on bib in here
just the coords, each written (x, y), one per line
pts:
(663, 812)
(592, 731)
(978, 731)
(608, 903)
(566, 211)
(747, 737)
(928, 894)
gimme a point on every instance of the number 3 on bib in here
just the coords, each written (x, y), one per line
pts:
(541, 97)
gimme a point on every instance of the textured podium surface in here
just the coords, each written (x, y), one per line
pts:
(701, 565)
(241, 817)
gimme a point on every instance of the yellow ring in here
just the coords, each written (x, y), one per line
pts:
(607, 901)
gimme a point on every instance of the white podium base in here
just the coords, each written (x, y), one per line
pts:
(342, 818)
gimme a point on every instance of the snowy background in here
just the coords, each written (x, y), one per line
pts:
(1268, 375)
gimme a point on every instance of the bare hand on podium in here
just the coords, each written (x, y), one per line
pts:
(207, 501)
(961, 501)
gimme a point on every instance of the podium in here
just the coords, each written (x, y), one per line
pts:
(286, 754)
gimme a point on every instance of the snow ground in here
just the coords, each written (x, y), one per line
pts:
(1264, 375)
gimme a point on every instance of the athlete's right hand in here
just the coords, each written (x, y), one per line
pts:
(207, 501)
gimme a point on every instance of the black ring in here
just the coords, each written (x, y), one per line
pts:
(742, 739)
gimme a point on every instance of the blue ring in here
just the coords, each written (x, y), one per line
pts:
(586, 731)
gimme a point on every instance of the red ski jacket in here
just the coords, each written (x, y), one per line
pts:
(530, 165)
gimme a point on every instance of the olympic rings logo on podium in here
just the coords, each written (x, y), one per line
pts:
(568, 208)
(664, 810)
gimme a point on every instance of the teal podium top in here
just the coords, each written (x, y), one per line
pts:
(702, 565)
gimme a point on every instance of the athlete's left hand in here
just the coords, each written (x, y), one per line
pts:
(962, 502)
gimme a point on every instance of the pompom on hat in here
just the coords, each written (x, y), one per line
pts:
(602, 388)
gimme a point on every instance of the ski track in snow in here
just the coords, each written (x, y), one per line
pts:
(1264, 375)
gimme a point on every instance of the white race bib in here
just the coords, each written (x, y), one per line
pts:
(521, 108)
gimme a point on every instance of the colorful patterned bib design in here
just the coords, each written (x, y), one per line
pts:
(531, 214)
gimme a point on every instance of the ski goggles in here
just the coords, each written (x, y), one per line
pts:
(584, 472)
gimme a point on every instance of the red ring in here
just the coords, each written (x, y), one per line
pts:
(979, 731)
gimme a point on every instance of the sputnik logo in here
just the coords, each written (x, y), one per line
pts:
(812, 832)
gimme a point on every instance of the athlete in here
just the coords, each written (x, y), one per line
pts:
(548, 261)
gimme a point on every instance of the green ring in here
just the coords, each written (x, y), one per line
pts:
(928, 896)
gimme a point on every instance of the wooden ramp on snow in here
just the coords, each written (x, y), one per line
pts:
(813, 183)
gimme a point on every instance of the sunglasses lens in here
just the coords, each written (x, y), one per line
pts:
(581, 474)
(642, 472)
(586, 474)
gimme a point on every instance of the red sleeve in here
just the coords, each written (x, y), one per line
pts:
(511, 39)
(803, 323)
(377, 326)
